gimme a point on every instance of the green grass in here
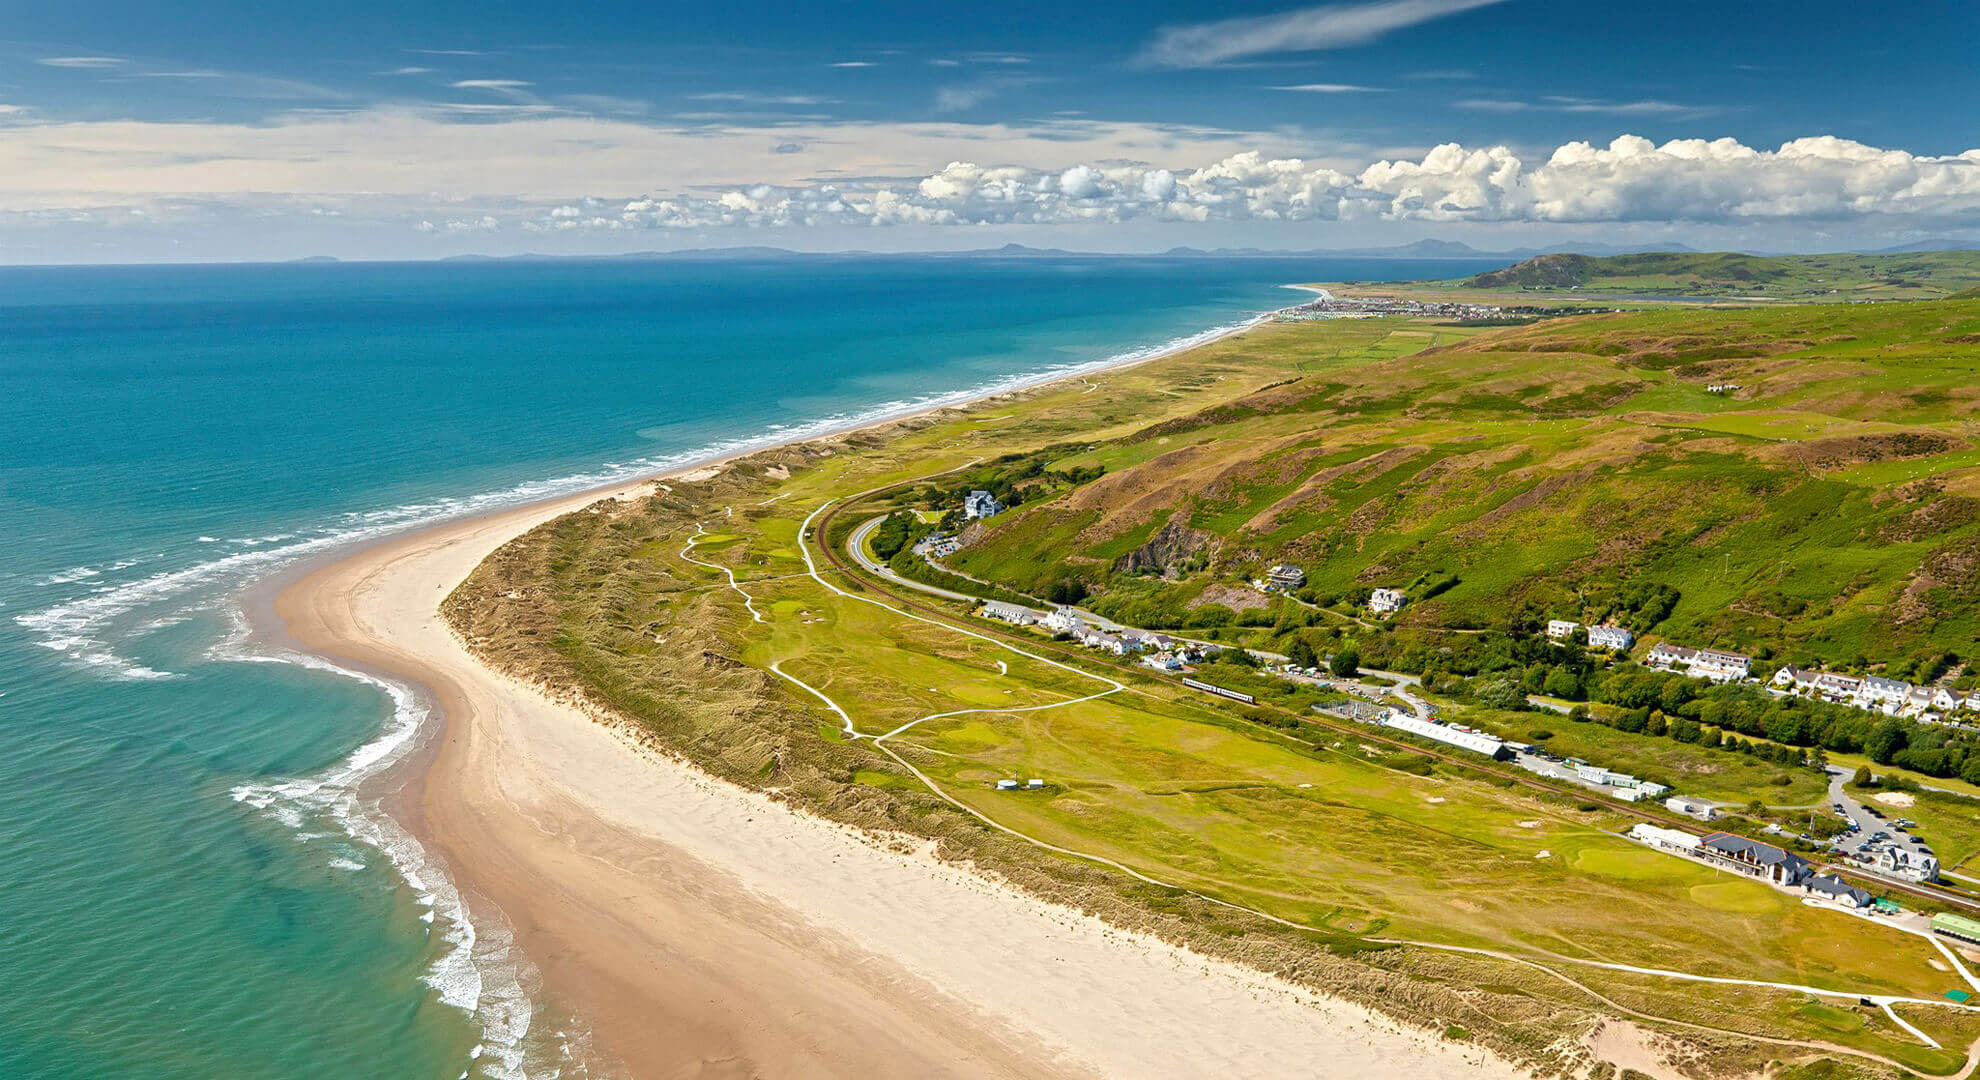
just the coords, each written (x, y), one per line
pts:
(1455, 450)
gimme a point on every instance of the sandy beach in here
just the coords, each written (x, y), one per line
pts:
(701, 930)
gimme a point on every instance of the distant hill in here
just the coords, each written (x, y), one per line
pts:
(1909, 275)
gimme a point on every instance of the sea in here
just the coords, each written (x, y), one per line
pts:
(198, 874)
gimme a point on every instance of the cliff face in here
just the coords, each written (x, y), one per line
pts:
(1167, 552)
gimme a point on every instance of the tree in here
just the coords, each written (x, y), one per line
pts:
(1885, 740)
(1345, 663)
(1500, 694)
(1300, 654)
(1863, 778)
(1562, 683)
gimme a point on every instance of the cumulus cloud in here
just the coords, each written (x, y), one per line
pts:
(1630, 180)
(1332, 26)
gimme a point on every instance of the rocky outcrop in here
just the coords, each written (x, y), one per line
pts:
(1170, 550)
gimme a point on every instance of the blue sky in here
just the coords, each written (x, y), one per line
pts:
(238, 130)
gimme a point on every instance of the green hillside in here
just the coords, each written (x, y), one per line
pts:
(1826, 509)
(1920, 275)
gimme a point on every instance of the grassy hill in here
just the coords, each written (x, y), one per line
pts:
(1828, 509)
(1917, 275)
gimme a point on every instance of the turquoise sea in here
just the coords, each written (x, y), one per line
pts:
(196, 879)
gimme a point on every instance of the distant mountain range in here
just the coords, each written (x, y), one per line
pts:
(1420, 249)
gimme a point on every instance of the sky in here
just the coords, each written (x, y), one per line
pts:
(229, 130)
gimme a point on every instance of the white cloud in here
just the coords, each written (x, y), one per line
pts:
(408, 71)
(1330, 88)
(492, 84)
(1631, 180)
(513, 165)
(1583, 105)
(80, 61)
(962, 98)
(751, 98)
(1333, 26)
(855, 64)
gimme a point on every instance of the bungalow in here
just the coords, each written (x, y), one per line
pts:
(1764, 861)
(1610, 636)
(1163, 661)
(1015, 614)
(1386, 601)
(1668, 839)
(981, 504)
(1703, 811)
(1561, 629)
(1840, 891)
(1285, 578)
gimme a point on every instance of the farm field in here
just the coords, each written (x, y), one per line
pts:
(1303, 849)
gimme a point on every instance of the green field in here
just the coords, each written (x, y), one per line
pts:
(1922, 275)
(1352, 445)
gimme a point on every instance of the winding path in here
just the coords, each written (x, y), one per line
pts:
(850, 729)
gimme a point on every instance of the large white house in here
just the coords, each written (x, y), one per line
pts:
(1064, 621)
(981, 504)
(1386, 601)
(1610, 636)
(1561, 629)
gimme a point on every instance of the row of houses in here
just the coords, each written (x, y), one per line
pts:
(1755, 859)
(1159, 651)
(1892, 697)
(1713, 664)
(1605, 636)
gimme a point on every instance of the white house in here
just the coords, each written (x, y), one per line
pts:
(1064, 621)
(1658, 837)
(1561, 629)
(1877, 689)
(1943, 699)
(1691, 808)
(1610, 636)
(1284, 577)
(1386, 601)
(1014, 614)
(1701, 663)
(980, 504)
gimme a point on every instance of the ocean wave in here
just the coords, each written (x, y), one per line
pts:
(477, 968)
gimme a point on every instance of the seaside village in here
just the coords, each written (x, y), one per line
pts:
(1867, 844)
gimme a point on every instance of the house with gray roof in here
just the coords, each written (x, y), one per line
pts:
(1842, 892)
(1765, 861)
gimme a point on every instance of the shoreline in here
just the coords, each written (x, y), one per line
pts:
(754, 939)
